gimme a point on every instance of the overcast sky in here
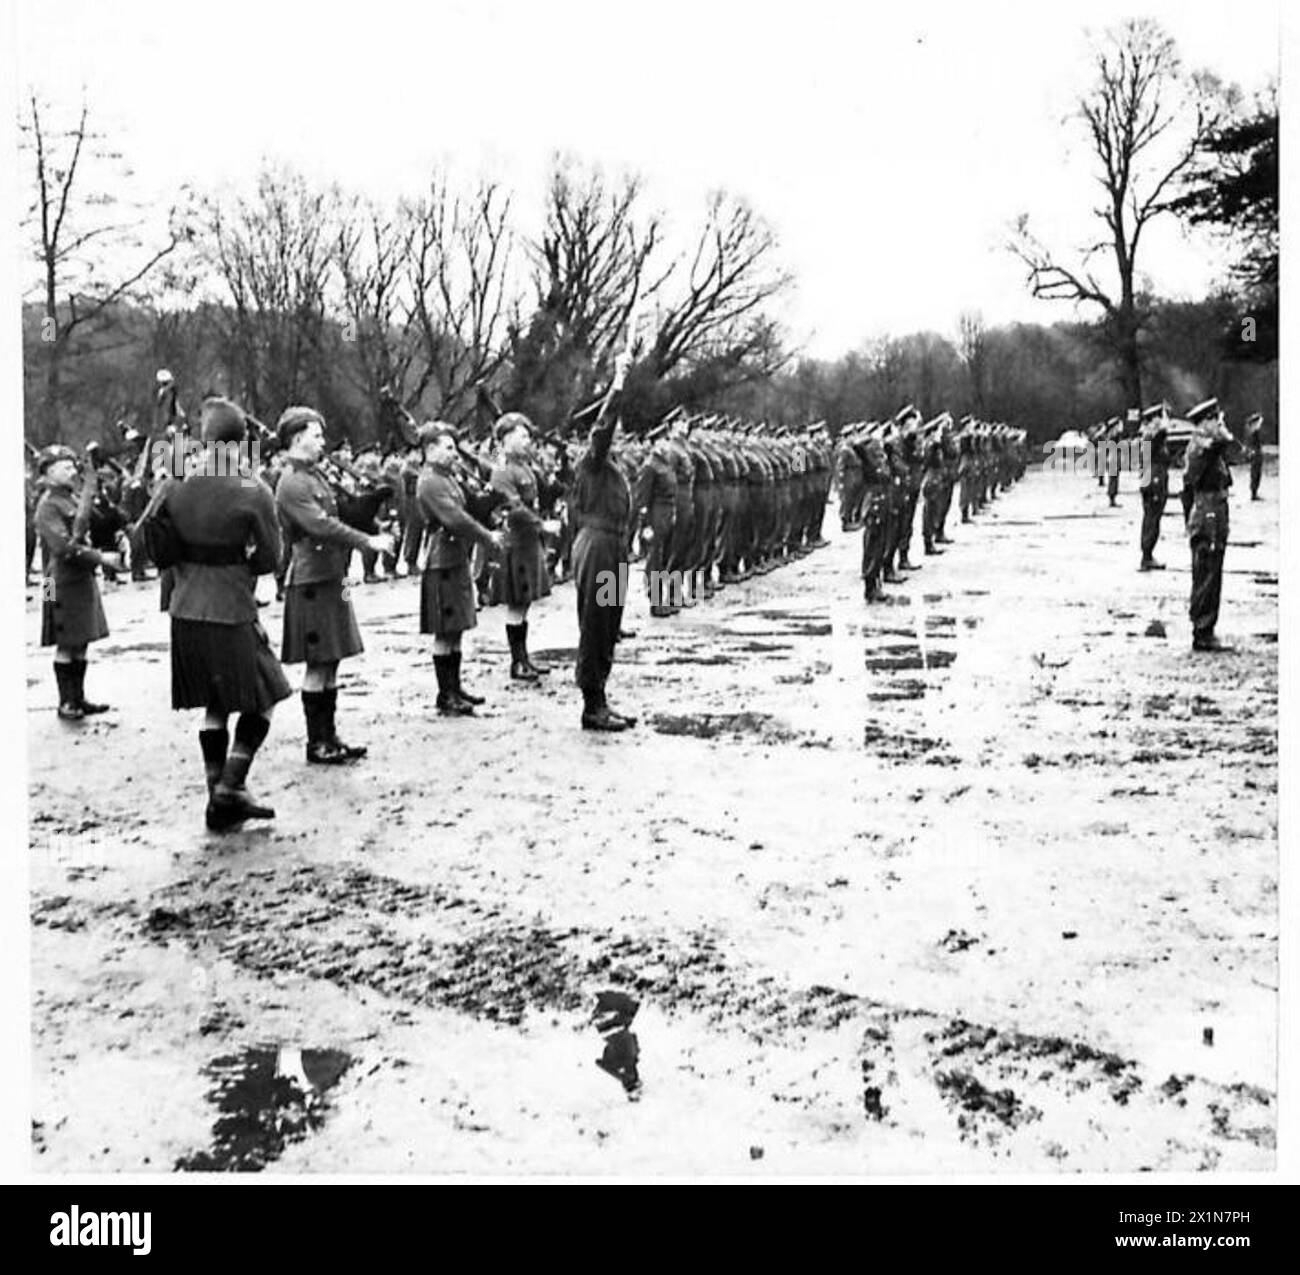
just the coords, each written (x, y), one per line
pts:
(889, 149)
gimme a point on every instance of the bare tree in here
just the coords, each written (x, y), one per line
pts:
(730, 278)
(590, 271)
(973, 347)
(372, 249)
(1146, 121)
(458, 277)
(79, 226)
(274, 253)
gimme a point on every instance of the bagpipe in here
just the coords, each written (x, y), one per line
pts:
(360, 497)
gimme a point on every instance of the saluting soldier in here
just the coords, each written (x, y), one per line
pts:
(524, 576)
(1206, 480)
(447, 604)
(600, 505)
(320, 627)
(72, 614)
(1155, 432)
(655, 502)
(933, 478)
(227, 535)
(1255, 449)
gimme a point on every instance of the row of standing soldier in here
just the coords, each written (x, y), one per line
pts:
(884, 470)
(756, 501)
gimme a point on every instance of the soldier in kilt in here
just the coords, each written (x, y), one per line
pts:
(320, 628)
(72, 615)
(447, 603)
(523, 575)
(226, 532)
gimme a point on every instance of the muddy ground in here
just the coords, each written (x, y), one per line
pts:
(983, 879)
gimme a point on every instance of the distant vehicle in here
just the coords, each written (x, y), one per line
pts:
(1072, 440)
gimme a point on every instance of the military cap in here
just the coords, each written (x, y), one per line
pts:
(1156, 409)
(55, 452)
(510, 421)
(1255, 420)
(163, 376)
(1203, 411)
(293, 420)
(434, 431)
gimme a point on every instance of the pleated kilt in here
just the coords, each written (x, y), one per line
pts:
(226, 667)
(319, 624)
(447, 604)
(523, 577)
(72, 613)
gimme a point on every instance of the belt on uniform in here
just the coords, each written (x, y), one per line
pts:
(215, 555)
(602, 524)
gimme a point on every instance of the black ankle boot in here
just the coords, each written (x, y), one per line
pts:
(596, 714)
(214, 744)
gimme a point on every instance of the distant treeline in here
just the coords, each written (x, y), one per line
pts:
(1041, 378)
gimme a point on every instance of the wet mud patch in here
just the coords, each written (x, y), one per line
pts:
(134, 648)
(267, 1098)
(978, 1104)
(903, 688)
(901, 657)
(903, 746)
(557, 654)
(713, 725)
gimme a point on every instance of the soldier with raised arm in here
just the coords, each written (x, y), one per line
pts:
(600, 506)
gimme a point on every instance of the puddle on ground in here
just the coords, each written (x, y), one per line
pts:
(902, 688)
(901, 657)
(557, 654)
(711, 725)
(902, 745)
(133, 648)
(268, 1098)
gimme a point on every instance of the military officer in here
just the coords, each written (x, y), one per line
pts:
(1206, 480)
(1255, 450)
(600, 505)
(1155, 491)
(655, 500)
